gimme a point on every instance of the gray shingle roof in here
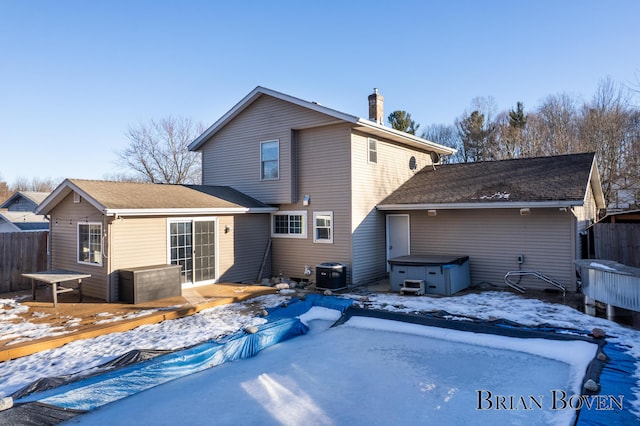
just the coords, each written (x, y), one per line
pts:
(130, 196)
(26, 221)
(556, 178)
(32, 196)
(133, 195)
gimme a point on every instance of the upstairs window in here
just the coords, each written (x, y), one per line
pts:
(270, 160)
(90, 243)
(373, 150)
(289, 224)
(323, 227)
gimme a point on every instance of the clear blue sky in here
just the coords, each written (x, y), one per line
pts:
(75, 74)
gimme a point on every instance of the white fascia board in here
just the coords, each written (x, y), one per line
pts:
(404, 137)
(179, 212)
(368, 125)
(596, 185)
(64, 189)
(469, 206)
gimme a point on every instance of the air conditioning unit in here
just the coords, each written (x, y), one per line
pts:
(331, 276)
(412, 286)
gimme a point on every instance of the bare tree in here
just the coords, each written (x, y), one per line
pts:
(5, 193)
(558, 116)
(20, 184)
(447, 136)
(608, 128)
(35, 184)
(124, 177)
(158, 151)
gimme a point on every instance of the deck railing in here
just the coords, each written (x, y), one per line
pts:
(610, 282)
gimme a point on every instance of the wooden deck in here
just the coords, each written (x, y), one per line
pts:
(86, 320)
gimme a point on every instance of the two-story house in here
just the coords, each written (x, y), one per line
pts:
(289, 184)
(324, 170)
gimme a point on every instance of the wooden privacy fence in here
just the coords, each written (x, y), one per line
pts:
(21, 253)
(619, 242)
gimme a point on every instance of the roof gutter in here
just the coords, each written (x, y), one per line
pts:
(186, 211)
(469, 206)
(361, 123)
(403, 137)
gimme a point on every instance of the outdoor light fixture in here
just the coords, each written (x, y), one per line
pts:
(432, 212)
(227, 229)
(525, 212)
(306, 200)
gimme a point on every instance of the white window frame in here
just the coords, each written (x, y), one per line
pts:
(316, 215)
(193, 220)
(373, 151)
(90, 253)
(303, 216)
(262, 160)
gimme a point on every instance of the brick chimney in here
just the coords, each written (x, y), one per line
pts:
(376, 109)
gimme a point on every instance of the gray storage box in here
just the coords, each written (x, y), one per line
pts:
(148, 283)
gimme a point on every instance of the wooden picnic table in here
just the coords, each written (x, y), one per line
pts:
(54, 278)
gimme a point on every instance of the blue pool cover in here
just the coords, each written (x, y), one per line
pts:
(94, 391)
(85, 394)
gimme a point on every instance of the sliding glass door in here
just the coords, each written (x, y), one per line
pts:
(192, 246)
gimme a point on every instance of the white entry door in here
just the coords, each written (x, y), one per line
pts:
(398, 243)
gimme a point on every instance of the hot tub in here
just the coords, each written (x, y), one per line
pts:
(442, 275)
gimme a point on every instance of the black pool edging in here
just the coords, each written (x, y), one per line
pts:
(485, 327)
(594, 369)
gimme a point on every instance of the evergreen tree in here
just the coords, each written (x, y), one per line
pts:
(517, 117)
(472, 134)
(401, 120)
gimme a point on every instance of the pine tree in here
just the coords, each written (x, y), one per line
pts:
(401, 120)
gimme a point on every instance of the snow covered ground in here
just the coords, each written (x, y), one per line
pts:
(81, 356)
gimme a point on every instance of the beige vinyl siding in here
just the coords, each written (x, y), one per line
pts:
(371, 184)
(586, 215)
(232, 156)
(136, 241)
(241, 250)
(493, 238)
(64, 244)
(143, 241)
(324, 173)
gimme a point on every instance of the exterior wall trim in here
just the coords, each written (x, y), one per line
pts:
(497, 205)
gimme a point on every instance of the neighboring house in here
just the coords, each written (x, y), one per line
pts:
(99, 227)
(17, 212)
(628, 216)
(625, 195)
(324, 170)
(533, 209)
